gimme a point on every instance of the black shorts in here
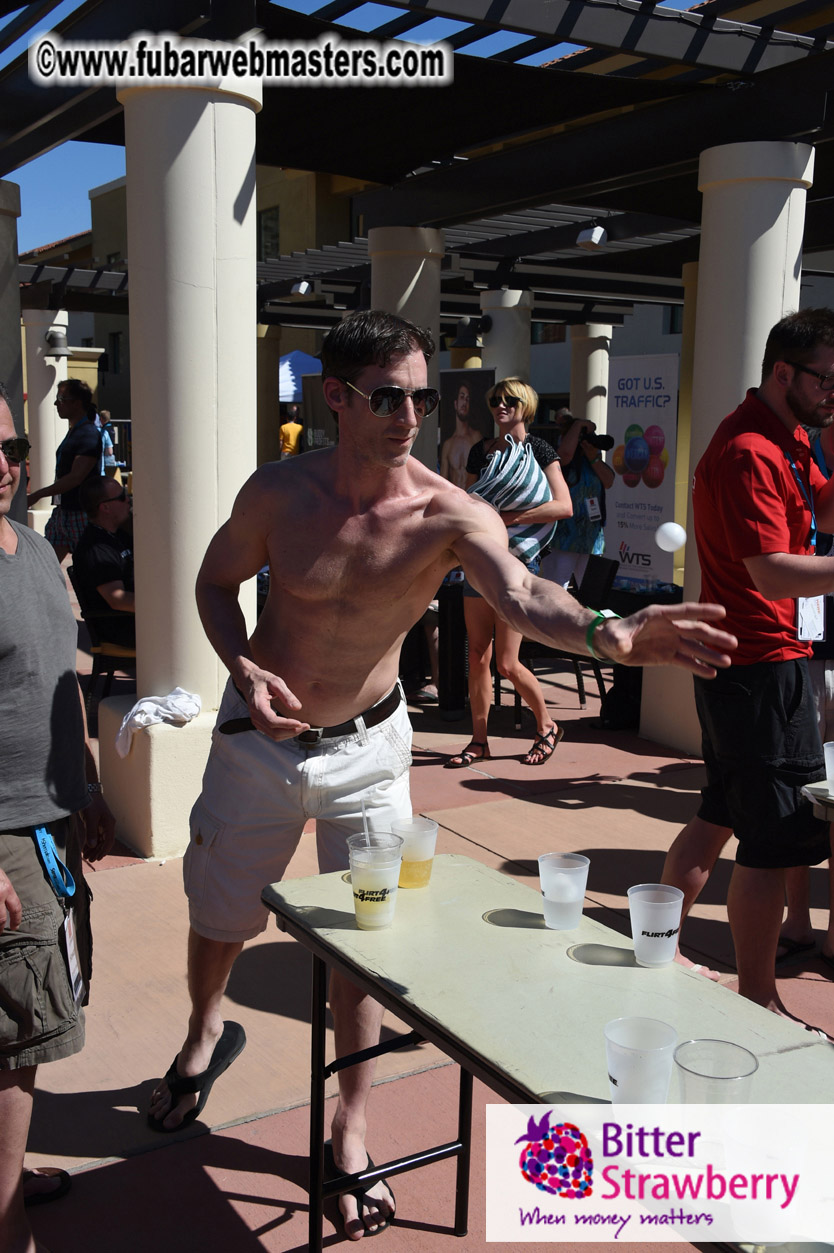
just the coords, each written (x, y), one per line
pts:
(761, 745)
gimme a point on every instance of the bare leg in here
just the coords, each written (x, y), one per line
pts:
(356, 1019)
(479, 623)
(16, 1092)
(797, 924)
(690, 862)
(754, 905)
(209, 966)
(507, 644)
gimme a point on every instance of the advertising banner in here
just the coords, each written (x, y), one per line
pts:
(642, 420)
(646, 1174)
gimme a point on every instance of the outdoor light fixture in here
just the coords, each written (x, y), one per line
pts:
(467, 335)
(592, 238)
(56, 338)
(301, 288)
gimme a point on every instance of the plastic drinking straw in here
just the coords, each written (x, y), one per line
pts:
(365, 822)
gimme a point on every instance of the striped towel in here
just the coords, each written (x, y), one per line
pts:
(513, 479)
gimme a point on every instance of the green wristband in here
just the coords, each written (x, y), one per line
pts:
(589, 634)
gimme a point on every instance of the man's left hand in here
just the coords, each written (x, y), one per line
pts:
(100, 828)
(669, 635)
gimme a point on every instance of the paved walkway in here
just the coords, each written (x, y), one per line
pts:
(613, 796)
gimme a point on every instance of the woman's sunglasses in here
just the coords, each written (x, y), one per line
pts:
(509, 402)
(385, 401)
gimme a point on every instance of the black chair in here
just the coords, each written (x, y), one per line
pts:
(107, 656)
(593, 592)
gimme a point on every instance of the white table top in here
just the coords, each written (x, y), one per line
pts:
(470, 957)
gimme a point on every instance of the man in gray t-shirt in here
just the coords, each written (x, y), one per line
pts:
(50, 805)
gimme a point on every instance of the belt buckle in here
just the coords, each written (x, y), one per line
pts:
(315, 733)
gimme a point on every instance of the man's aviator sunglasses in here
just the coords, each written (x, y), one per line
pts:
(384, 402)
(15, 449)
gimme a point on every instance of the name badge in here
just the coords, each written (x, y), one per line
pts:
(810, 617)
(593, 509)
(73, 962)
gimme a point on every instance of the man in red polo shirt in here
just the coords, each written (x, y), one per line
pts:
(758, 498)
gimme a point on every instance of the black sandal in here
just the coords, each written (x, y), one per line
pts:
(545, 744)
(467, 757)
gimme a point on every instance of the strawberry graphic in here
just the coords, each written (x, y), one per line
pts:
(557, 1158)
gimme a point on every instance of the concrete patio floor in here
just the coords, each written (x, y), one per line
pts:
(236, 1179)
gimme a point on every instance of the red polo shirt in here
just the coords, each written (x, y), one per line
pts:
(747, 502)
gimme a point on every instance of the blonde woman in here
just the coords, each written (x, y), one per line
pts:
(513, 404)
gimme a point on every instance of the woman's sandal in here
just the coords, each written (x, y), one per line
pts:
(467, 757)
(544, 745)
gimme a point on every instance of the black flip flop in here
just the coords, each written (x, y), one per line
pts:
(331, 1171)
(43, 1198)
(230, 1044)
(794, 949)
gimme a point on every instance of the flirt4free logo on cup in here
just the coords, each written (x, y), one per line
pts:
(644, 1174)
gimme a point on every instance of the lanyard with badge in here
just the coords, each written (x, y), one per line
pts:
(810, 610)
(63, 885)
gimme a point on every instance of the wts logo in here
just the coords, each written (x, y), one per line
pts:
(628, 558)
(557, 1158)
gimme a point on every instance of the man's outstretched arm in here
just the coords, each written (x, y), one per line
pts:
(679, 635)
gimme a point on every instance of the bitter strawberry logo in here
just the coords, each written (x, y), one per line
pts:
(557, 1158)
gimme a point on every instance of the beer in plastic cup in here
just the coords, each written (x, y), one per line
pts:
(563, 877)
(419, 837)
(655, 910)
(639, 1053)
(374, 870)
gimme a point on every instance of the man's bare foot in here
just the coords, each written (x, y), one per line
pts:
(192, 1059)
(351, 1156)
(697, 968)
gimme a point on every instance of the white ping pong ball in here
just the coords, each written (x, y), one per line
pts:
(670, 537)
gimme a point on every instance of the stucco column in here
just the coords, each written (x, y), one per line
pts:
(11, 359)
(190, 155)
(749, 274)
(507, 342)
(590, 349)
(46, 430)
(405, 279)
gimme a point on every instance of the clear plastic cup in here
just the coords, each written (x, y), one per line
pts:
(374, 871)
(640, 1056)
(419, 837)
(655, 910)
(563, 877)
(715, 1072)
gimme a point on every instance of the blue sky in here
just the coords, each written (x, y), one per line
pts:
(54, 188)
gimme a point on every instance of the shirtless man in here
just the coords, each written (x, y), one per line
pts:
(374, 534)
(455, 451)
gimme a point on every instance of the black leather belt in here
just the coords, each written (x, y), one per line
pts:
(371, 717)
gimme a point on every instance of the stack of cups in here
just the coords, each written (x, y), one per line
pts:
(655, 910)
(374, 870)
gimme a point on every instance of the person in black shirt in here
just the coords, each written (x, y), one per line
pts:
(103, 562)
(77, 461)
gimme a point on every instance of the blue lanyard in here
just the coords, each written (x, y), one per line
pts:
(57, 873)
(809, 500)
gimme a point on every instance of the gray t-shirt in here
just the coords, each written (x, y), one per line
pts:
(42, 774)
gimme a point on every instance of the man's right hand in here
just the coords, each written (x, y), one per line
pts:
(9, 905)
(260, 689)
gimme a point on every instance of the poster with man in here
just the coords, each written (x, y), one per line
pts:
(643, 421)
(465, 418)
